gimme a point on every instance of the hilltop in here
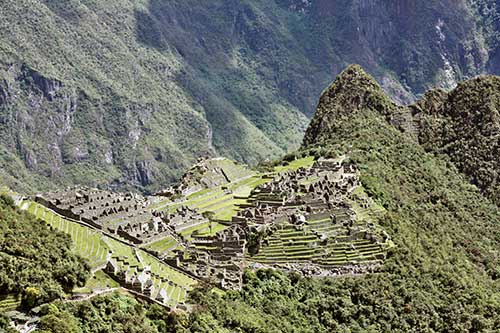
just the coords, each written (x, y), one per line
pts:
(443, 227)
(462, 123)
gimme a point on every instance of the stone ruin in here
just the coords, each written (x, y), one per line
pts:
(184, 218)
(313, 205)
(291, 200)
(206, 173)
(199, 176)
(124, 215)
(217, 259)
(135, 278)
(324, 186)
(139, 279)
(95, 207)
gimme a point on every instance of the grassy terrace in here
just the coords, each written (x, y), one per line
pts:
(187, 233)
(210, 231)
(305, 162)
(88, 243)
(99, 280)
(94, 246)
(225, 205)
(292, 245)
(232, 170)
(163, 246)
(9, 303)
(220, 203)
(341, 253)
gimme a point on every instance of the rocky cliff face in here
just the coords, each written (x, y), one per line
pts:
(129, 93)
(464, 123)
(66, 136)
(409, 46)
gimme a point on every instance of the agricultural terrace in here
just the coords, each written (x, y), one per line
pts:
(223, 202)
(95, 247)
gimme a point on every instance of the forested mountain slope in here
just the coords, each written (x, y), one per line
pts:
(462, 124)
(441, 276)
(37, 264)
(129, 93)
(465, 125)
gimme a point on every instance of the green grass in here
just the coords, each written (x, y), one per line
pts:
(99, 280)
(9, 303)
(227, 214)
(94, 247)
(232, 170)
(305, 162)
(189, 231)
(87, 242)
(162, 245)
(216, 227)
(224, 206)
(199, 193)
(207, 205)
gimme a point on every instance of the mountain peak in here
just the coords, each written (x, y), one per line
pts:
(353, 76)
(463, 123)
(355, 71)
(353, 90)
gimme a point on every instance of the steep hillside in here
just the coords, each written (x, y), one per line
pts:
(85, 100)
(350, 93)
(445, 231)
(465, 125)
(442, 274)
(129, 93)
(36, 263)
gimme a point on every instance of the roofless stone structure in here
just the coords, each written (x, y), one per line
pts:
(305, 220)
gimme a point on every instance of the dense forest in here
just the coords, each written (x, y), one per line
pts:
(36, 263)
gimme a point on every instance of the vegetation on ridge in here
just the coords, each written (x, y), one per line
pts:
(464, 124)
(446, 254)
(36, 262)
